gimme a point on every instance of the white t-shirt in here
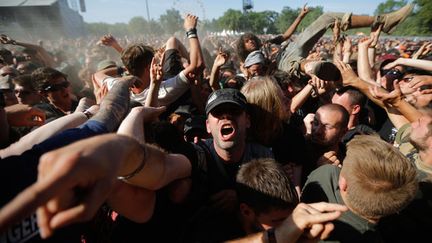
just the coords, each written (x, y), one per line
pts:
(169, 90)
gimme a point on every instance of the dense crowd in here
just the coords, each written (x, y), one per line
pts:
(191, 138)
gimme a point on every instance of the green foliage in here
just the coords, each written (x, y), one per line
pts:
(270, 22)
(286, 17)
(419, 23)
(231, 20)
(154, 27)
(137, 25)
(389, 6)
(171, 21)
(313, 14)
(210, 25)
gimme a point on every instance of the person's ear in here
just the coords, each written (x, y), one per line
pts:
(342, 183)
(208, 126)
(355, 109)
(247, 212)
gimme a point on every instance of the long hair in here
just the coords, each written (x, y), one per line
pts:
(267, 108)
(241, 49)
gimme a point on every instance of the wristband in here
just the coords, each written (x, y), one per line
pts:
(88, 114)
(191, 33)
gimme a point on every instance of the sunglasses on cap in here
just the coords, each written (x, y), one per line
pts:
(56, 87)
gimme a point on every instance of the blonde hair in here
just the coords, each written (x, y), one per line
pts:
(266, 108)
(380, 180)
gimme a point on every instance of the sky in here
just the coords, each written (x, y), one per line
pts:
(116, 11)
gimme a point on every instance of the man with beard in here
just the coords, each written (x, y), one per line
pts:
(414, 140)
(327, 127)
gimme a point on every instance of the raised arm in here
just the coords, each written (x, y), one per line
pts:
(374, 35)
(18, 115)
(82, 175)
(109, 40)
(196, 59)
(44, 56)
(220, 60)
(308, 222)
(415, 63)
(397, 108)
(423, 50)
(347, 45)
(363, 66)
(89, 164)
(160, 168)
(40, 134)
(290, 31)
(155, 81)
(394, 101)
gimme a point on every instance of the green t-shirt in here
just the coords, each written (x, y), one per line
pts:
(322, 185)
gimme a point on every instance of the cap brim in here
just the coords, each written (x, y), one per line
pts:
(216, 104)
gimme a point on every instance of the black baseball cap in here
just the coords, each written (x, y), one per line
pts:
(223, 96)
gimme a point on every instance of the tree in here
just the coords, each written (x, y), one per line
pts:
(259, 22)
(423, 17)
(171, 21)
(137, 25)
(313, 14)
(419, 23)
(97, 29)
(211, 25)
(285, 19)
(231, 20)
(389, 6)
(154, 27)
(270, 18)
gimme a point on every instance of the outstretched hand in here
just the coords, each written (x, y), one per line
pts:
(389, 99)
(156, 73)
(310, 221)
(73, 182)
(349, 77)
(305, 10)
(221, 58)
(4, 39)
(365, 42)
(190, 22)
(107, 40)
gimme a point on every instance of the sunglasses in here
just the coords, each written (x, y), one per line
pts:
(393, 74)
(56, 87)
